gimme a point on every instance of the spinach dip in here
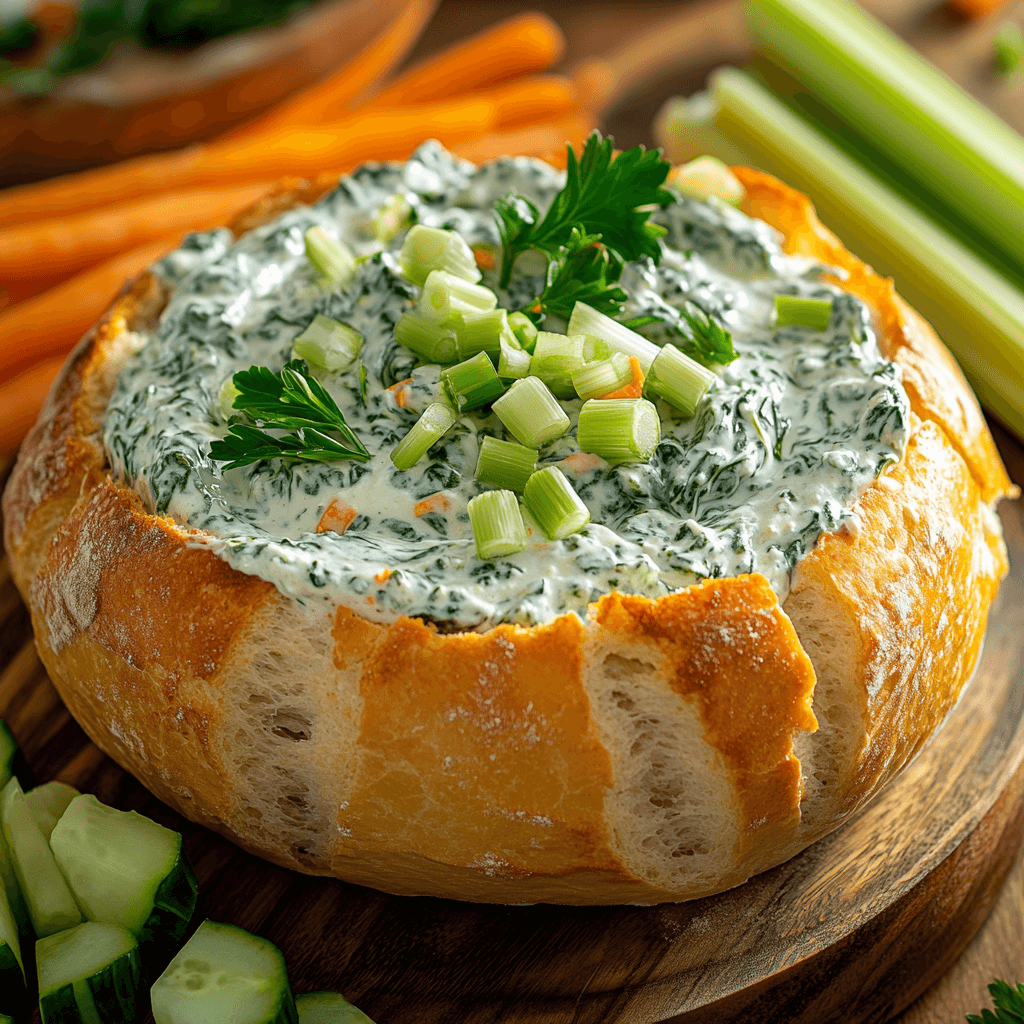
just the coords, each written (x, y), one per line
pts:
(777, 451)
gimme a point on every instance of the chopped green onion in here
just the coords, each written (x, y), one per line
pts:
(226, 398)
(974, 309)
(1009, 46)
(436, 420)
(445, 295)
(427, 249)
(394, 215)
(707, 176)
(505, 463)
(498, 527)
(531, 414)
(429, 339)
(513, 361)
(328, 344)
(472, 383)
(959, 149)
(557, 509)
(619, 429)
(525, 330)
(587, 320)
(483, 332)
(597, 379)
(595, 349)
(556, 357)
(332, 258)
(678, 379)
(793, 311)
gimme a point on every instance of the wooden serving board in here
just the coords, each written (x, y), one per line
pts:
(852, 930)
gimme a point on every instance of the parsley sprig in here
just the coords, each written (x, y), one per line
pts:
(292, 400)
(605, 195)
(584, 270)
(707, 342)
(1009, 1004)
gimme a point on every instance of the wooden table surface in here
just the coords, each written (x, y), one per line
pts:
(661, 49)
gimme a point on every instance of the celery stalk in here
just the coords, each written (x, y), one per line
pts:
(978, 314)
(959, 149)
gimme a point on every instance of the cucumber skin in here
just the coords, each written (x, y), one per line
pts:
(114, 991)
(329, 1006)
(13, 992)
(14, 766)
(164, 931)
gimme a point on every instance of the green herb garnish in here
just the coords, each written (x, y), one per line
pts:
(605, 196)
(291, 400)
(708, 343)
(583, 270)
(1009, 1006)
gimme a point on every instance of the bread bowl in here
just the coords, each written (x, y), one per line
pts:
(634, 748)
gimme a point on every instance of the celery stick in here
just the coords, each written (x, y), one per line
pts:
(978, 314)
(955, 146)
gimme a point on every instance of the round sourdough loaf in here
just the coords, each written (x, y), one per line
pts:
(659, 750)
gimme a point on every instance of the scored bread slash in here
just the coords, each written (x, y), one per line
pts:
(636, 747)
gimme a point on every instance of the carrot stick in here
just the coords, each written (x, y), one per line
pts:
(50, 324)
(21, 400)
(538, 99)
(62, 246)
(596, 82)
(521, 45)
(345, 86)
(540, 140)
(364, 135)
(13, 292)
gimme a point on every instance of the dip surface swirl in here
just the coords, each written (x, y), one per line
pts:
(777, 452)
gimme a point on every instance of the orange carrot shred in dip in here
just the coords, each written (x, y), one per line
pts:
(484, 257)
(582, 462)
(433, 503)
(337, 517)
(635, 388)
(383, 576)
(400, 392)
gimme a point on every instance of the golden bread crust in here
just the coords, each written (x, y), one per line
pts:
(578, 761)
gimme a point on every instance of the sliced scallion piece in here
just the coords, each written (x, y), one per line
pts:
(498, 527)
(446, 296)
(483, 332)
(328, 344)
(793, 311)
(436, 420)
(678, 379)
(428, 338)
(557, 509)
(427, 249)
(556, 357)
(601, 378)
(472, 383)
(530, 412)
(513, 361)
(332, 258)
(394, 215)
(525, 330)
(587, 320)
(890, 94)
(505, 463)
(706, 177)
(619, 429)
(595, 349)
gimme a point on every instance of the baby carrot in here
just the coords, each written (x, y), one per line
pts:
(61, 246)
(340, 91)
(50, 324)
(540, 140)
(521, 45)
(21, 400)
(538, 99)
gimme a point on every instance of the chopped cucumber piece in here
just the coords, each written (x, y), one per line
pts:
(48, 802)
(328, 1008)
(89, 975)
(50, 903)
(12, 762)
(224, 974)
(12, 968)
(125, 869)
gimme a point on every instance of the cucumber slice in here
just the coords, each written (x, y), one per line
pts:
(224, 974)
(125, 869)
(90, 974)
(12, 762)
(13, 992)
(48, 802)
(50, 903)
(328, 1008)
